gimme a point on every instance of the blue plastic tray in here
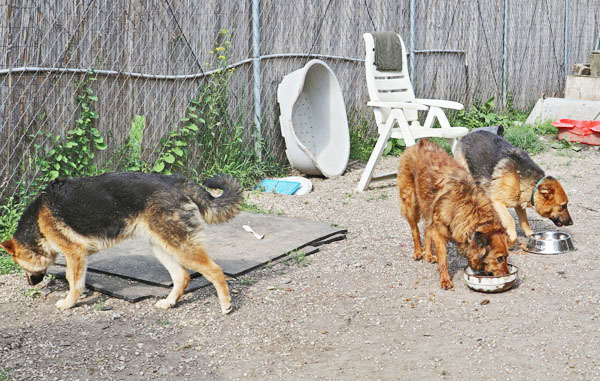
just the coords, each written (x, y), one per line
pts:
(278, 186)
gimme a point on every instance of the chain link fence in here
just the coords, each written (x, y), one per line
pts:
(153, 57)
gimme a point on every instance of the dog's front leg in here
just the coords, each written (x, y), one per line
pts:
(507, 221)
(76, 268)
(523, 221)
(440, 241)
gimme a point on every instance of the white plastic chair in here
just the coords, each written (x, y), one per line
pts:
(393, 100)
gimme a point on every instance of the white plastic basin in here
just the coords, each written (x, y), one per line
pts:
(313, 120)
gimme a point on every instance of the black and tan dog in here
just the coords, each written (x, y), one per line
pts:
(513, 180)
(433, 186)
(81, 216)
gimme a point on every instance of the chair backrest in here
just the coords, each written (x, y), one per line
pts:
(388, 86)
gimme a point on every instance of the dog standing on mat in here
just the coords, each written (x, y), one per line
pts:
(80, 216)
(432, 185)
(512, 180)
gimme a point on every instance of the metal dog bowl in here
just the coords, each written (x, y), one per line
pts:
(549, 243)
(495, 283)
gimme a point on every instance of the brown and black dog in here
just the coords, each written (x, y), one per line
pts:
(512, 180)
(432, 185)
(80, 216)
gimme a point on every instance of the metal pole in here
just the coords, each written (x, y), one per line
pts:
(505, 58)
(412, 40)
(566, 37)
(256, 76)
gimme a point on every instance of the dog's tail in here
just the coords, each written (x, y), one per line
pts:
(217, 209)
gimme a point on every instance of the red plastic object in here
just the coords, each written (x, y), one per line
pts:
(582, 131)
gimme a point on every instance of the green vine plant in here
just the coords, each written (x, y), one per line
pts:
(129, 157)
(73, 155)
(208, 133)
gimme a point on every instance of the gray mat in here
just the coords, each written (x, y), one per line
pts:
(130, 271)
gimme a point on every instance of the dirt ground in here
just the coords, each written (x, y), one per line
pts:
(360, 308)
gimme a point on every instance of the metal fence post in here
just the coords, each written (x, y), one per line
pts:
(505, 58)
(566, 37)
(412, 41)
(256, 76)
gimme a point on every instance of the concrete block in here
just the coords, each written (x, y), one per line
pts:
(583, 87)
(550, 109)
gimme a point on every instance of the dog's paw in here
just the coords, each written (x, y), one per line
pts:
(446, 284)
(164, 304)
(521, 243)
(418, 255)
(64, 304)
(226, 309)
(430, 258)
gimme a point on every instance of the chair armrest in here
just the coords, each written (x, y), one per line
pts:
(415, 106)
(440, 103)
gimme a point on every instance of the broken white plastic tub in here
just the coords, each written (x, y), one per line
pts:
(313, 120)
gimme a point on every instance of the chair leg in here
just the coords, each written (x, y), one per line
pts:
(367, 174)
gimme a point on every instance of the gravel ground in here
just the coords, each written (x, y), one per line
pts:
(360, 308)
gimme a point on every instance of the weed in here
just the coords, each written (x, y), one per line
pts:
(162, 322)
(6, 374)
(362, 140)
(8, 266)
(380, 196)
(100, 306)
(33, 293)
(208, 130)
(566, 144)
(298, 258)
(129, 157)
(485, 114)
(524, 137)
(10, 213)
(253, 208)
(246, 281)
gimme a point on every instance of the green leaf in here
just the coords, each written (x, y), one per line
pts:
(169, 158)
(388, 147)
(92, 98)
(101, 146)
(178, 151)
(53, 174)
(192, 127)
(159, 166)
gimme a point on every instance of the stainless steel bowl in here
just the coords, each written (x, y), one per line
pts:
(487, 283)
(549, 243)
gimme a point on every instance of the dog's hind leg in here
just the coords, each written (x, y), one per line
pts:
(179, 275)
(195, 258)
(429, 257)
(410, 210)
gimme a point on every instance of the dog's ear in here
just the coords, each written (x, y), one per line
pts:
(481, 239)
(9, 246)
(546, 190)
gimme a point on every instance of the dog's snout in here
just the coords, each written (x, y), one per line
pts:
(568, 222)
(34, 279)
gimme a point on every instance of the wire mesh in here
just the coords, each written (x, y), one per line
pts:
(151, 58)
